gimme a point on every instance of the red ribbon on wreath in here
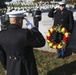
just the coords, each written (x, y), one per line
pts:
(53, 44)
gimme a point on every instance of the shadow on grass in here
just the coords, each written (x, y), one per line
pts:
(68, 69)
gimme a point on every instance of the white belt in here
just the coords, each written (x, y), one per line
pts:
(37, 15)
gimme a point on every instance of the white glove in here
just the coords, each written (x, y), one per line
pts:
(29, 24)
(56, 7)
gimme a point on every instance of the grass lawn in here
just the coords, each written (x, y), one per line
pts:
(49, 64)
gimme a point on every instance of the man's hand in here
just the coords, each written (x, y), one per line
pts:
(29, 24)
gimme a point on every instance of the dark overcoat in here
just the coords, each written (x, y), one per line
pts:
(37, 17)
(16, 44)
(64, 18)
(72, 41)
(35, 13)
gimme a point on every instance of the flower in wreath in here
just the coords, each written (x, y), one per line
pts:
(53, 44)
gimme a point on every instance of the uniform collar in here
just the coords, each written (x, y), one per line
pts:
(63, 9)
(13, 26)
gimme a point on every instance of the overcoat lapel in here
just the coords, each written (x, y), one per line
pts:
(61, 15)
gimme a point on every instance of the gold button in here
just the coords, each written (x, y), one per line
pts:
(62, 19)
(10, 57)
(15, 58)
(57, 24)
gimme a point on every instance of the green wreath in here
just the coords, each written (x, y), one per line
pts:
(53, 44)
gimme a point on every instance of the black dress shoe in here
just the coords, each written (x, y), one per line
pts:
(59, 56)
(63, 56)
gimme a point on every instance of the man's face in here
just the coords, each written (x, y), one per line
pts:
(62, 7)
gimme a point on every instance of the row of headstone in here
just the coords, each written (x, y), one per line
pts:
(30, 5)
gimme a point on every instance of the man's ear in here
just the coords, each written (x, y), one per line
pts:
(20, 20)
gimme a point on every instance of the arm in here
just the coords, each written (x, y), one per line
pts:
(2, 57)
(51, 13)
(71, 22)
(35, 38)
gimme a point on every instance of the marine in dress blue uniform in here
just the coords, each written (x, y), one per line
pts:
(16, 45)
(37, 16)
(62, 16)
